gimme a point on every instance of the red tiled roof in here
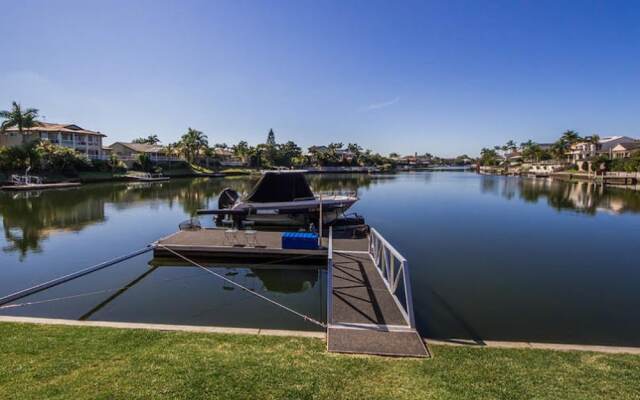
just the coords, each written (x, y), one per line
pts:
(50, 127)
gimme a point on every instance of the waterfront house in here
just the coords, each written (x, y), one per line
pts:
(67, 135)
(585, 149)
(226, 158)
(343, 155)
(124, 150)
(131, 151)
(514, 158)
(414, 160)
(625, 150)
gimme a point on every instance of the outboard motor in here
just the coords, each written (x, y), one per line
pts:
(192, 224)
(227, 198)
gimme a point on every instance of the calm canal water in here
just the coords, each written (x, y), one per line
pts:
(492, 258)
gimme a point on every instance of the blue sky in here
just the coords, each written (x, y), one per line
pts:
(443, 77)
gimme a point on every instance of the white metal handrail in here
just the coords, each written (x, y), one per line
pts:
(392, 267)
(330, 278)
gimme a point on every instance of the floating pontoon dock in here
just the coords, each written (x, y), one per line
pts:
(40, 186)
(369, 302)
(219, 244)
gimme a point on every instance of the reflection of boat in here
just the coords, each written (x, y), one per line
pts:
(283, 198)
(286, 280)
(275, 278)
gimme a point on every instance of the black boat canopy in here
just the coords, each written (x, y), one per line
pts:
(280, 186)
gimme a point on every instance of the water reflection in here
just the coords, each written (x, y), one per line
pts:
(29, 218)
(582, 197)
(169, 291)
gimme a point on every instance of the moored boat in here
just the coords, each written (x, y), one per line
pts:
(283, 198)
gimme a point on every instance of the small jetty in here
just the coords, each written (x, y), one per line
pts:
(369, 301)
(40, 186)
(149, 177)
(20, 183)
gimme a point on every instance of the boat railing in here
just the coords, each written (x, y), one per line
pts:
(394, 270)
(335, 193)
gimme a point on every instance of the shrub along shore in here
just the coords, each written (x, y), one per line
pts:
(46, 361)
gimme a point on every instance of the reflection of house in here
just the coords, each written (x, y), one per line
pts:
(66, 135)
(585, 149)
(624, 150)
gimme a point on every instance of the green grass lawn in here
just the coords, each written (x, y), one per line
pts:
(85, 363)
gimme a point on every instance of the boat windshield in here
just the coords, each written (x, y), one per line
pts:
(280, 187)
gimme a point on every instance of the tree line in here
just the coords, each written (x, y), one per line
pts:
(194, 147)
(534, 152)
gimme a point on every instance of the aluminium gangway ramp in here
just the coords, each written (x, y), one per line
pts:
(369, 304)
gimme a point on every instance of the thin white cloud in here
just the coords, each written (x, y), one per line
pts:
(377, 106)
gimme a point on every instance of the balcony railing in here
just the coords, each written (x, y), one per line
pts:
(134, 158)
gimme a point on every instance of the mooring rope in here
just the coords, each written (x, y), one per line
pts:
(30, 303)
(84, 294)
(305, 317)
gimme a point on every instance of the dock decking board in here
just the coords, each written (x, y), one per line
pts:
(359, 293)
(367, 341)
(211, 244)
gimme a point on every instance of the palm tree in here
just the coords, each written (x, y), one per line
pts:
(193, 142)
(356, 150)
(530, 150)
(151, 139)
(510, 146)
(241, 150)
(16, 117)
(594, 139)
(570, 137)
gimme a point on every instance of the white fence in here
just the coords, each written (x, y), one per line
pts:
(635, 175)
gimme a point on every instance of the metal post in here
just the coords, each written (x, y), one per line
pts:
(408, 297)
(320, 223)
(330, 279)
